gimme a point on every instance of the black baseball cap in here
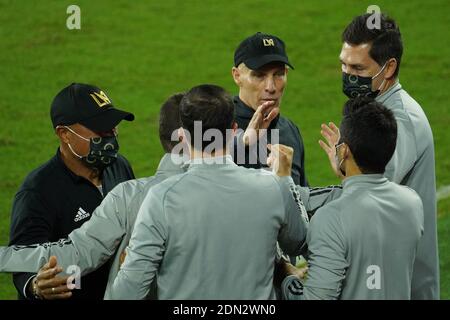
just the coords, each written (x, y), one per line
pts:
(259, 50)
(88, 105)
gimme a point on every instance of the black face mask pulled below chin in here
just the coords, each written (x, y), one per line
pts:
(102, 152)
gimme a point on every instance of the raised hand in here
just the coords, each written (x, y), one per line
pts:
(331, 135)
(261, 119)
(280, 159)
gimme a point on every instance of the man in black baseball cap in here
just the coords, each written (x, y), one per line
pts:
(61, 194)
(260, 71)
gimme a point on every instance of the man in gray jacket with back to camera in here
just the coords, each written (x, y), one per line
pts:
(211, 233)
(362, 245)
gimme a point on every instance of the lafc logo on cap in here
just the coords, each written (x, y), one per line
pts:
(100, 98)
(268, 43)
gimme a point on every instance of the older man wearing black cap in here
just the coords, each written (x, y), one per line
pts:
(260, 70)
(61, 194)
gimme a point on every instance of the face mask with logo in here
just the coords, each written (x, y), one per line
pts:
(102, 151)
(357, 86)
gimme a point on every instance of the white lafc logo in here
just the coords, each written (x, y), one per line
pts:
(81, 214)
(268, 43)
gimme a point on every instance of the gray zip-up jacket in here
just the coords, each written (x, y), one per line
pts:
(413, 165)
(362, 245)
(211, 233)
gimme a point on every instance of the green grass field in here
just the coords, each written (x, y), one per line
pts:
(140, 52)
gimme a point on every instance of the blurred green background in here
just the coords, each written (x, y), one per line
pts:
(141, 52)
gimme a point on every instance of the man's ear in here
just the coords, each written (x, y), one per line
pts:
(181, 135)
(62, 133)
(236, 76)
(347, 152)
(390, 68)
(185, 139)
(234, 126)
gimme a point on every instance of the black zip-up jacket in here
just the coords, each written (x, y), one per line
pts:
(53, 201)
(289, 135)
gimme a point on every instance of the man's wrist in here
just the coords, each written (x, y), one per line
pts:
(284, 173)
(33, 289)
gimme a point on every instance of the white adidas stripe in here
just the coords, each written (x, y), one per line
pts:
(81, 214)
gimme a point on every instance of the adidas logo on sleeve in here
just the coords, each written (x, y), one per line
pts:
(81, 215)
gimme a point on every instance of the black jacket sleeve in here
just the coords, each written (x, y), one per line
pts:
(31, 222)
(303, 179)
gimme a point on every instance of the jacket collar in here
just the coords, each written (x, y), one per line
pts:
(357, 181)
(243, 110)
(59, 162)
(386, 95)
(171, 163)
(211, 162)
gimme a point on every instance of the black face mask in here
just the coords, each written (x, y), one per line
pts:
(102, 151)
(357, 86)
